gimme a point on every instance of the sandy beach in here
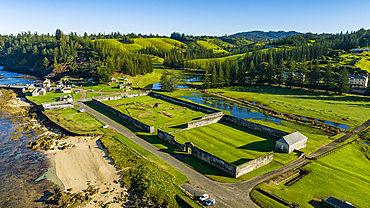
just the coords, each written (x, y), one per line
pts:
(86, 163)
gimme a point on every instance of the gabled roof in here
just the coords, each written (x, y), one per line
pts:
(356, 77)
(294, 138)
(338, 203)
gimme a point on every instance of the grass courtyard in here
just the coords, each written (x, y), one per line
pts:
(76, 122)
(344, 174)
(51, 97)
(154, 112)
(232, 143)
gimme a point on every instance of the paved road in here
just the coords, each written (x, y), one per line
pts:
(226, 195)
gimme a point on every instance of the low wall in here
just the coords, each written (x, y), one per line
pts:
(137, 123)
(254, 164)
(119, 96)
(254, 126)
(206, 120)
(170, 139)
(214, 161)
(184, 103)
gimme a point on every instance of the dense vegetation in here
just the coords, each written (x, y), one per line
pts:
(42, 54)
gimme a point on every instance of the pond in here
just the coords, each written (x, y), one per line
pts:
(242, 111)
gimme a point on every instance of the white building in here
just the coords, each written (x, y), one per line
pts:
(291, 142)
(356, 81)
(46, 83)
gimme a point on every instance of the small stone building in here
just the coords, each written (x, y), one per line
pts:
(46, 83)
(291, 142)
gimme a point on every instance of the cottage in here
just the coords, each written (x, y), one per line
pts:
(35, 92)
(31, 87)
(291, 142)
(125, 79)
(356, 81)
(46, 83)
(114, 79)
(64, 98)
(294, 75)
(336, 203)
(42, 91)
(66, 90)
(56, 105)
(60, 85)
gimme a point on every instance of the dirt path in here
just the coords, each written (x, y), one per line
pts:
(226, 195)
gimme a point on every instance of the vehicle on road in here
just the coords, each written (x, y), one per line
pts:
(203, 197)
(211, 202)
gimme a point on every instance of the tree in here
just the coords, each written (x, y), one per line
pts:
(343, 85)
(280, 72)
(164, 82)
(328, 78)
(206, 84)
(46, 63)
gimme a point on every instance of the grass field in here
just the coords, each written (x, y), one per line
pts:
(350, 110)
(204, 62)
(51, 97)
(361, 60)
(155, 112)
(74, 121)
(232, 143)
(139, 43)
(344, 174)
(209, 45)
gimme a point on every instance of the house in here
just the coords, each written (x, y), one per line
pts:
(295, 74)
(66, 90)
(125, 79)
(46, 83)
(35, 92)
(42, 91)
(291, 142)
(64, 98)
(360, 49)
(114, 79)
(31, 87)
(357, 81)
(336, 203)
(60, 85)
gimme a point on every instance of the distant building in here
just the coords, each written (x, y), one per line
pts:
(295, 74)
(356, 81)
(56, 105)
(68, 98)
(336, 203)
(360, 49)
(31, 87)
(42, 91)
(114, 79)
(37, 92)
(46, 83)
(291, 142)
(66, 90)
(60, 85)
(125, 79)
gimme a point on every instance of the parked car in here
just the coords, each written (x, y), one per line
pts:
(211, 202)
(105, 126)
(204, 197)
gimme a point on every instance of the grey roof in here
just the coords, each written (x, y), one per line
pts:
(356, 76)
(294, 138)
(338, 203)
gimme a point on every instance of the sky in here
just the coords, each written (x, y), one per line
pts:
(192, 17)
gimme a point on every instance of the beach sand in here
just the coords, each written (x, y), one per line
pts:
(86, 163)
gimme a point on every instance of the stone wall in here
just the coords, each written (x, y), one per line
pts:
(184, 103)
(254, 164)
(170, 139)
(137, 123)
(214, 161)
(119, 96)
(254, 126)
(206, 120)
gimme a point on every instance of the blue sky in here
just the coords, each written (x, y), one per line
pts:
(197, 17)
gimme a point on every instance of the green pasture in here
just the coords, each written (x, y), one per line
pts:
(142, 81)
(232, 143)
(139, 43)
(350, 110)
(204, 62)
(155, 112)
(74, 121)
(51, 97)
(209, 45)
(344, 174)
(361, 60)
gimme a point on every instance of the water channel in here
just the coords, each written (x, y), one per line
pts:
(242, 111)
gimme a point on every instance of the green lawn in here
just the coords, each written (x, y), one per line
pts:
(51, 97)
(210, 45)
(344, 174)
(350, 110)
(142, 81)
(74, 121)
(232, 143)
(155, 112)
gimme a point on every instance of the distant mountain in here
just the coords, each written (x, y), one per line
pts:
(261, 35)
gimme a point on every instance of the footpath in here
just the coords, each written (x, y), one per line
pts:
(226, 194)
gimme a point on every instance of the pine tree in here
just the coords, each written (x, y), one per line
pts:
(328, 78)
(164, 82)
(46, 63)
(206, 84)
(343, 85)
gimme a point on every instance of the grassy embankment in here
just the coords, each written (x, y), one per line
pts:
(350, 110)
(344, 174)
(209, 45)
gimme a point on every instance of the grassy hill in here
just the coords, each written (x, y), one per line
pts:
(203, 62)
(140, 43)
